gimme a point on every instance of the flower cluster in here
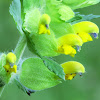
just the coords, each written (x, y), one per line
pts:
(42, 25)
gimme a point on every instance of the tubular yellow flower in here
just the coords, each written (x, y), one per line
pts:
(67, 43)
(10, 63)
(71, 68)
(85, 28)
(44, 24)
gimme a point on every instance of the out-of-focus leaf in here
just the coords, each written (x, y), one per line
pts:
(54, 67)
(75, 4)
(36, 76)
(80, 17)
(15, 11)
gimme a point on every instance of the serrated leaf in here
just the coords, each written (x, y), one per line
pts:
(54, 67)
(36, 76)
(79, 17)
(15, 11)
(75, 4)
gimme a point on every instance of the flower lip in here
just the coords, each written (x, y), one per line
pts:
(11, 65)
(95, 35)
(78, 48)
(80, 73)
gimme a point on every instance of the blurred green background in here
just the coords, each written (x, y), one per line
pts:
(80, 88)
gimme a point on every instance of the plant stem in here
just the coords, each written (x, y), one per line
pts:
(1, 90)
(19, 50)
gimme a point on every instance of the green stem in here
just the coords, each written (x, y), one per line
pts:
(19, 50)
(1, 90)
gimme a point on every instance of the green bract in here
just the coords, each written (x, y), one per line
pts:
(35, 75)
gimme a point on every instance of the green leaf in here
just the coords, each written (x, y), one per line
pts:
(36, 76)
(65, 12)
(28, 4)
(42, 45)
(45, 44)
(75, 4)
(79, 17)
(54, 67)
(15, 11)
(61, 28)
(32, 18)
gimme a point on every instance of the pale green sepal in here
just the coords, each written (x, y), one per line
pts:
(36, 76)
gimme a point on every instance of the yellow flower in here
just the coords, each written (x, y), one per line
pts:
(68, 43)
(10, 69)
(85, 28)
(71, 68)
(44, 24)
(10, 63)
(11, 58)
